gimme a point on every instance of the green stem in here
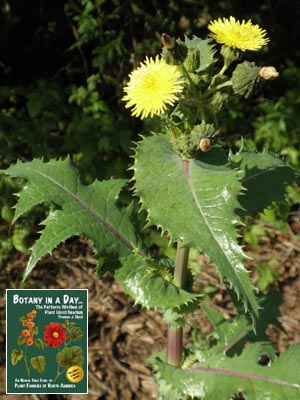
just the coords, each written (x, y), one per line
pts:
(214, 89)
(58, 373)
(222, 85)
(195, 92)
(192, 84)
(175, 334)
(181, 261)
(26, 362)
(223, 70)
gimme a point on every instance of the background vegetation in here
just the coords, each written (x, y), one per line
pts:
(63, 65)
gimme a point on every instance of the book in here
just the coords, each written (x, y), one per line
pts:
(46, 341)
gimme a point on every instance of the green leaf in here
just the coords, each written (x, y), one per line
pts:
(19, 237)
(233, 334)
(264, 177)
(89, 210)
(196, 202)
(70, 356)
(35, 330)
(16, 356)
(6, 213)
(74, 332)
(267, 273)
(142, 280)
(40, 344)
(21, 340)
(221, 377)
(38, 363)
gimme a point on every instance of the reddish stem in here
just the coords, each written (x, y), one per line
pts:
(175, 334)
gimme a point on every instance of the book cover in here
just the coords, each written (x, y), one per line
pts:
(46, 341)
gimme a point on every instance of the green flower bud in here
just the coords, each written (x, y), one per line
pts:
(195, 78)
(189, 143)
(218, 101)
(230, 55)
(246, 79)
(192, 61)
(182, 146)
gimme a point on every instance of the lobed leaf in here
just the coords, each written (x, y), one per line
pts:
(264, 177)
(89, 210)
(222, 377)
(232, 335)
(196, 202)
(141, 280)
(70, 356)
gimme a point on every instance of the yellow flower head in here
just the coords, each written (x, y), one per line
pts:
(240, 35)
(151, 87)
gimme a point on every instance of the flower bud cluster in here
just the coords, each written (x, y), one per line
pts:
(27, 335)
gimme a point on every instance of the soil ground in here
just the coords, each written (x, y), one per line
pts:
(122, 335)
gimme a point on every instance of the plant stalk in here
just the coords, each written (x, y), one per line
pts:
(175, 334)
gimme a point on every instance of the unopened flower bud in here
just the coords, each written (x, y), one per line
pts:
(230, 55)
(218, 101)
(192, 61)
(202, 136)
(167, 41)
(205, 144)
(268, 73)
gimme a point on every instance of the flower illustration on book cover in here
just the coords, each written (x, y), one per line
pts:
(58, 335)
(54, 334)
(26, 339)
(69, 359)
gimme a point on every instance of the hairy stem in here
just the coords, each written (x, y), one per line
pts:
(175, 334)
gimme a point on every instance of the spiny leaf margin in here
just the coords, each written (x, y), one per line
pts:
(224, 377)
(91, 210)
(139, 279)
(195, 202)
(232, 335)
(265, 177)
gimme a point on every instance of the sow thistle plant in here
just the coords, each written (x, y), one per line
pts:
(197, 193)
